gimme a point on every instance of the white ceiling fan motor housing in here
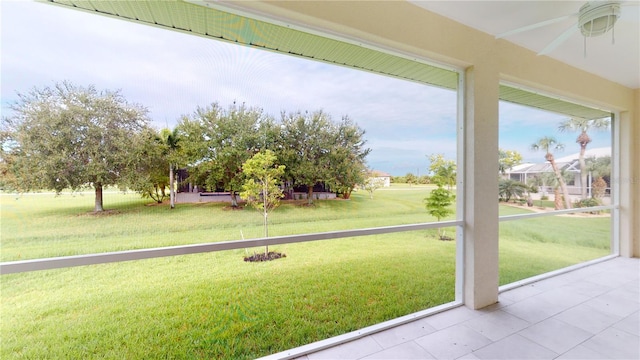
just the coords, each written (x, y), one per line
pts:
(596, 17)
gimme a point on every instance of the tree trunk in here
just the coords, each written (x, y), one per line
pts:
(583, 172)
(266, 232)
(172, 193)
(583, 139)
(563, 185)
(265, 211)
(557, 201)
(98, 203)
(310, 194)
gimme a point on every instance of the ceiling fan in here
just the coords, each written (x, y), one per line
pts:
(594, 19)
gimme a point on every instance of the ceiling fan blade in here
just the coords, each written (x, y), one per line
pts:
(534, 26)
(559, 40)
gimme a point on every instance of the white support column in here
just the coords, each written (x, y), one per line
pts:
(634, 149)
(627, 179)
(481, 186)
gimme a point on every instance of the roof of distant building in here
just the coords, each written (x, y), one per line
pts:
(379, 173)
(569, 162)
(597, 152)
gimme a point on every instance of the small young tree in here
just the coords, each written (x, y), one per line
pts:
(261, 189)
(372, 183)
(443, 171)
(171, 140)
(437, 204)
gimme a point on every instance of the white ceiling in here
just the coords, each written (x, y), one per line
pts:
(619, 62)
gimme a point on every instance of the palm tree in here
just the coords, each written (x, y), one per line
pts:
(171, 140)
(508, 188)
(548, 144)
(583, 125)
(555, 184)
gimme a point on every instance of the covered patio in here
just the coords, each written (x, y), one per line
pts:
(589, 312)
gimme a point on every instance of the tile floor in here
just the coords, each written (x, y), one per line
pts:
(589, 313)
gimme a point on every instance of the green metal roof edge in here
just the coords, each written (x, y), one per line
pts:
(212, 23)
(209, 22)
(529, 98)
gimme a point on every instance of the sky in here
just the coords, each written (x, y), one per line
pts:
(171, 74)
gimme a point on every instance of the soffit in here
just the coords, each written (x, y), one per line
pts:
(219, 25)
(519, 96)
(216, 24)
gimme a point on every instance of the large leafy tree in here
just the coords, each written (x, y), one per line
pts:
(508, 159)
(306, 148)
(347, 157)
(549, 144)
(217, 142)
(158, 151)
(70, 137)
(149, 175)
(582, 126)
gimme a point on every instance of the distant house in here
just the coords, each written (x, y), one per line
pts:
(189, 192)
(570, 163)
(386, 177)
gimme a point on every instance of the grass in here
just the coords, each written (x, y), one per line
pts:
(27, 230)
(534, 246)
(217, 306)
(194, 307)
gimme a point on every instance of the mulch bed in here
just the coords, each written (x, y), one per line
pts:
(272, 255)
(101, 213)
(233, 208)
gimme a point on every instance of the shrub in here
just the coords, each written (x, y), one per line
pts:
(589, 202)
(583, 203)
(599, 188)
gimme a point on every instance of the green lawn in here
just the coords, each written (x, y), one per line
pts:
(217, 306)
(538, 245)
(27, 232)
